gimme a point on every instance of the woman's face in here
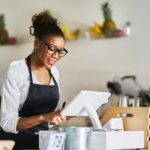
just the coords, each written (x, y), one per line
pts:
(43, 50)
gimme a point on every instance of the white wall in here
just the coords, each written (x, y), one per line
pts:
(90, 63)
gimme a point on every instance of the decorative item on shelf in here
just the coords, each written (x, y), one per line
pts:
(108, 29)
(109, 25)
(3, 31)
(127, 28)
(11, 40)
(96, 31)
(69, 35)
(4, 36)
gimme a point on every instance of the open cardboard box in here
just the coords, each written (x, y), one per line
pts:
(134, 119)
(112, 136)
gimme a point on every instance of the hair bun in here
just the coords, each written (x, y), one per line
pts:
(44, 25)
(41, 19)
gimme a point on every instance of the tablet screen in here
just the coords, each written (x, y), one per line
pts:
(76, 106)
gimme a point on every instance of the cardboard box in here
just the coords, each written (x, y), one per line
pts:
(134, 119)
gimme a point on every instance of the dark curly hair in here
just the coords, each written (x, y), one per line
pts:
(44, 25)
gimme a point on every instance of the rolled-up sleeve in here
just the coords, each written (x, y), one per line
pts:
(10, 102)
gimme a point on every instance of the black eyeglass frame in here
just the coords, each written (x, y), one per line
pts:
(54, 51)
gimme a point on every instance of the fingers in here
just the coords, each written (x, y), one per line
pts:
(56, 121)
(56, 118)
(53, 122)
(63, 118)
(60, 121)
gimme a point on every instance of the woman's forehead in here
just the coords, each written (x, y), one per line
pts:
(56, 40)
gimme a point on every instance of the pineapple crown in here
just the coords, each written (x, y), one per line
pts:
(107, 12)
(2, 22)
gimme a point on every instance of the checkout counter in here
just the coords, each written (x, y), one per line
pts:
(108, 136)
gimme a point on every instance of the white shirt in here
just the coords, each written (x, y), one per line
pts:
(14, 92)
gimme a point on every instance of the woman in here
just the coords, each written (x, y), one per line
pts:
(30, 91)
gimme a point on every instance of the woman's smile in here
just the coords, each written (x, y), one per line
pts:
(51, 62)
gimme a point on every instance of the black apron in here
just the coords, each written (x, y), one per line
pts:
(40, 99)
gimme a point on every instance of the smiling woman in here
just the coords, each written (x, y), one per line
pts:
(30, 91)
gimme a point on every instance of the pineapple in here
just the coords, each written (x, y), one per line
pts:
(3, 31)
(109, 25)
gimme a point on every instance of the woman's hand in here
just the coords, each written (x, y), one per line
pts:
(51, 118)
(55, 118)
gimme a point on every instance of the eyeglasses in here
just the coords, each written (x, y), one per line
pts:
(53, 49)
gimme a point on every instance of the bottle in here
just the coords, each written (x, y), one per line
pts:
(127, 28)
(123, 101)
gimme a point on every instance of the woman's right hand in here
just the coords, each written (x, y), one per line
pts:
(55, 118)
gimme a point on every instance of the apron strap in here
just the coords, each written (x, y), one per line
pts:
(29, 68)
(52, 77)
(30, 73)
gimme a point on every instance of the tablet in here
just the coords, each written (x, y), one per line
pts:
(77, 105)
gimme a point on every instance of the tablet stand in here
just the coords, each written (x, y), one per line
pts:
(92, 115)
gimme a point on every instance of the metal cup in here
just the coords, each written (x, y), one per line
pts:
(77, 138)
